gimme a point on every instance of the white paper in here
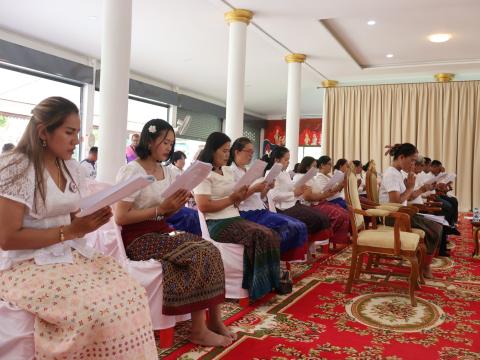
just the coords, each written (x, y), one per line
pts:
(111, 195)
(256, 171)
(436, 179)
(274, 172)
(190, 179)
(448, 178)
(336, 179)
(436, 218)
(306, 178)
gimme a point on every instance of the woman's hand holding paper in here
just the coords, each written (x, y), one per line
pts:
(174, 202)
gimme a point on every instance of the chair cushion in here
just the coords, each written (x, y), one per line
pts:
(419, 232)
(385, 239)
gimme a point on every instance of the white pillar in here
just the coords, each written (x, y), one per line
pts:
(114, 79)
(238, 21)
(293, 104)
(88, 96)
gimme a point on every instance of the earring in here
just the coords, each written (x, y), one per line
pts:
(44, 143)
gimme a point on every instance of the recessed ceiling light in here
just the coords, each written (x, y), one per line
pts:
(371, 22)
(438, 38)
(389, 56)
(92, 18)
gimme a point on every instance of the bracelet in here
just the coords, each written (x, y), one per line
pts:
(61, 234)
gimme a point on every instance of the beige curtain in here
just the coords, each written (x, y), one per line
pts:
(442, 119)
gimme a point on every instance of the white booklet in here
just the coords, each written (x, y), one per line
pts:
(436, 179)
(448, 178)
(274, 172)
(112, 194)
(436, 218)
(306, 178)
(190, 179)
(336, 179)
(252, 174)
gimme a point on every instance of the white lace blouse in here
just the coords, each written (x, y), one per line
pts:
(19, 186)
(149, 196)
(254, 201)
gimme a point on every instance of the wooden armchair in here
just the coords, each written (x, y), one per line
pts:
(398, 241)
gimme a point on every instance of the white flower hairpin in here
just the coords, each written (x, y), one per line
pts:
(152, 129)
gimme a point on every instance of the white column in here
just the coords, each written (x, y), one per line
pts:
(293, 104)
(238, 21)
(114, 78)
(88, 96)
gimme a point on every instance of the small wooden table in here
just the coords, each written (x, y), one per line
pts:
(476, 230)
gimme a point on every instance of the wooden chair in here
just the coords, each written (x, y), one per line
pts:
(399, 241)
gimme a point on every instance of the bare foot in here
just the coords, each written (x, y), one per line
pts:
(221, 329)
(209, 338)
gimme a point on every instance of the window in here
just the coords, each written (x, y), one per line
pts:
(20, 92)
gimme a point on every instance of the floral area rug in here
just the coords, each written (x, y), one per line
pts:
(319, 321)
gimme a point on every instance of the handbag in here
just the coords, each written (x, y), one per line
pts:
(286, 283)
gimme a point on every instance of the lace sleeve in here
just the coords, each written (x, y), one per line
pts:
(125, 173)
(17, 179)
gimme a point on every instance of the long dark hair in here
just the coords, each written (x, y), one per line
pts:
(405, 149)
(238, 145)
(214, 142)
(276, 154)
(51, 113)
(305, 164)
(158, 128)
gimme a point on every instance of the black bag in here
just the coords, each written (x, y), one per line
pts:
(286, 283)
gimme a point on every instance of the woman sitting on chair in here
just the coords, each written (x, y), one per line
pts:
(193, 269)
(314, 197)
(395, 190)
(324, 168)
(293, 232)
(78, 297)
(286, 199)
(218, 200)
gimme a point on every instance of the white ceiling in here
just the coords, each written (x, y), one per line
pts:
(183, 43)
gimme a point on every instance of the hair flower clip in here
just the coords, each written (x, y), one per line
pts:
(152, 129)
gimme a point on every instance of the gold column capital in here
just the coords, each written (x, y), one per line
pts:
(295, 58)
(444, 77)
(241, 15)
(329, 83)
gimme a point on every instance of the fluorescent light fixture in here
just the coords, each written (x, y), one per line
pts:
(439, 38)
(389, 56)
(371, 22)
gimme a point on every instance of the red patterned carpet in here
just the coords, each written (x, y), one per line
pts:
(318, 321)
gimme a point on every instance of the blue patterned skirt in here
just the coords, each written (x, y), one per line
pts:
(293, 232)
(186, 219)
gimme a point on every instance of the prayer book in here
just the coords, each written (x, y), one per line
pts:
(190, 179)
(112, 194)
(252, 174)
(336, 179)
(436, 179)
(274, 172)
(436, 218)
(306, 178)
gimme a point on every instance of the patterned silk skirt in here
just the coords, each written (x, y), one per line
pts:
(193, 269)
(339, 219)
(186, 219)
(317, 223)
(86, 310)
(293, 232)
(261, 258)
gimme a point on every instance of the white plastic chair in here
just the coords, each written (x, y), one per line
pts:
(232, 256)
(16, 333)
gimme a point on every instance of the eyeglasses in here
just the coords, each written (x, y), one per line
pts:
(248, 151)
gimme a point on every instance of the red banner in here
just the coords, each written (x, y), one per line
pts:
(310, 133)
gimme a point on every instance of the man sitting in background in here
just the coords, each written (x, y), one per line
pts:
(90, 163)
(178, 162)
(130, 153)
(442, 190)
